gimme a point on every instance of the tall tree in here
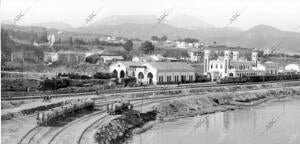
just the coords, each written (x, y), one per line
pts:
(147, 47)
(155, 38)
(128, 46)
(164, 38)
(70, 41)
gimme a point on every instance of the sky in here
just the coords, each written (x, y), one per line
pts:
(282, 14)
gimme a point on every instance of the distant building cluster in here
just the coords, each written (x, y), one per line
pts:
(112, 39)
(78, 57)
(217, 62)
(185, 45)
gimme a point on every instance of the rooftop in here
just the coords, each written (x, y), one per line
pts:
(172, 66)
(109, 53)
(131, 63)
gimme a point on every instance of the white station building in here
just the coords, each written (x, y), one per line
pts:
(155, 72)
(231, 65)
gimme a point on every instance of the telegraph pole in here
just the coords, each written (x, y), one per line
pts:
(143, 98)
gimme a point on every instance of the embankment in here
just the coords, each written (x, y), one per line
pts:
(211, 103)
(118, 130)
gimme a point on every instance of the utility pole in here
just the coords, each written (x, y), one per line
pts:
(142, 98)
(23, 72)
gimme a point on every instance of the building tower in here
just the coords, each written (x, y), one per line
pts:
(254, 58)
(206, 61)
(227, 54)
(235, 55)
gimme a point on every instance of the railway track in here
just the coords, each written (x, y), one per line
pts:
(86, 135)
(141, 89)
(50, 135)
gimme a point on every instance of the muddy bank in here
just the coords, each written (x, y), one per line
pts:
(219, 102)
(119, 129)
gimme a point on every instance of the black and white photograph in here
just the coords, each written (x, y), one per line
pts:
(150, 71)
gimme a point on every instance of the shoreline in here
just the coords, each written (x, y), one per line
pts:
(193, 106)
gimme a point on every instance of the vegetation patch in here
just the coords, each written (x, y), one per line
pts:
(121, 128)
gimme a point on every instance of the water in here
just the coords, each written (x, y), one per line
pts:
(272, 123)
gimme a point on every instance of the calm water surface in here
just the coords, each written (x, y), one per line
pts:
(272, 123)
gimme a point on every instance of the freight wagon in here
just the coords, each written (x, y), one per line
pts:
(263, 78)
(119, 107)
(44, 118)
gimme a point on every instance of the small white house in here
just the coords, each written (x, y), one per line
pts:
(110, 57)
(293, 67)
(196, 54)
(124, 68)
(50, 56)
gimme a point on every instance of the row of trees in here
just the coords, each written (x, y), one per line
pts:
(29, 36)
(79, 41)
(146, 47)
(189, 40)
(156, 38)
(8, 47)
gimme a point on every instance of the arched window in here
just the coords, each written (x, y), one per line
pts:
(122, 74)
(141, 75)
(115, 73)
(150, 77)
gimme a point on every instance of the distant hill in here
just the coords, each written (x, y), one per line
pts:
(125, 19)
(180, 21)
(182, 26)
(54, 25)
(188, 22)
(261, 36)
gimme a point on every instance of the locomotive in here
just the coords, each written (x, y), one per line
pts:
(54, 83)
(262, 78)
(119, 107)
(44, 118)
(64, 80)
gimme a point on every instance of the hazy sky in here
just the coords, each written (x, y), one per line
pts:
(283, 14)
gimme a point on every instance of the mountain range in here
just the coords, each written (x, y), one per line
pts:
(182, 26)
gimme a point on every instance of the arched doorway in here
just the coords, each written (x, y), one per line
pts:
(115, 73)
(141, 75)
(150, 77)
(231, 74)
(122, 74)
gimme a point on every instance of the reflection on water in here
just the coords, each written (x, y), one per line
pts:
(273, 123)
